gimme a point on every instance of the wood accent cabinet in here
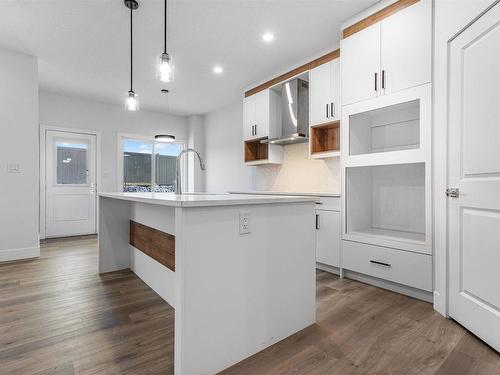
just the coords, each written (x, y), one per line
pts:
(325, 140)
(262, 120)
(388, 56)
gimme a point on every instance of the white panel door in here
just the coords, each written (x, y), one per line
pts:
(406, 48)
(474, 168)
(328, 237)
(70, 184)
(319, 94)
(361, 65)
(262, 113)
(335, 104)
(249, 117)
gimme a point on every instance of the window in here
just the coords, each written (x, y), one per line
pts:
(140, 171)
(71, 163)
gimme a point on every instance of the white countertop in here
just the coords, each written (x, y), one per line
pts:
(295, 193)
(206, 199)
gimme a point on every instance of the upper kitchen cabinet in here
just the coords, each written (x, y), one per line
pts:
(361, 65)
(261, 115)
(388, 56)
(324, 93)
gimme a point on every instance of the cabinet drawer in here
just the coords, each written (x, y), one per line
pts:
(328, 203)
(399, 266)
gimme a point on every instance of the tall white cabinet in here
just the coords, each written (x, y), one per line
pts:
(388, 56)
(385, 138)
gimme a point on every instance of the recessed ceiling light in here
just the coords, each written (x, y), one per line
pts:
(267, 37)
(218, 69)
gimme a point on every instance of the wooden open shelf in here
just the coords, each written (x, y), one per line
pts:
(325, 138)
(255, 151)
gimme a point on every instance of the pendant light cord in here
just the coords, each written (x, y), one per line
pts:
(165, 28)
(131, 51)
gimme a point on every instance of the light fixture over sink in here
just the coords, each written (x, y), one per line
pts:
(165, 138)
(165, 64)
(131, 102)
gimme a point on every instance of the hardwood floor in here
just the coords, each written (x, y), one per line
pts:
(57, 316)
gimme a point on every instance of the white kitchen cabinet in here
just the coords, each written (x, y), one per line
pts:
(328, 237)
(406, 47)
(391, 55)
(324, 93)
(262, 115)
(361, 65)
(248, 117)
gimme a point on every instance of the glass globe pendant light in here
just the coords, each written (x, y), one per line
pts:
(165, 64)
(165, 138)
(131, 101)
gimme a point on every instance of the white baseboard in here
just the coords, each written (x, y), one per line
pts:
(389, 285)
(18, 254)
(327, 268)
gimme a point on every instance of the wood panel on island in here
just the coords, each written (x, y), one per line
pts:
(157, 244)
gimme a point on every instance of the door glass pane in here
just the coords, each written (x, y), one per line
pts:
(137, 160)
(71, 163)
(165, 163)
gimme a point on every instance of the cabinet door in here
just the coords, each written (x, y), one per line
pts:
(248, 117)
(406, 47)
(335, 104)
(360, 63)
(319, 94)
(328, 237)
(262, 113)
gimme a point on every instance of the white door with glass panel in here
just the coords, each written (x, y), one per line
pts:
(70, 184)
(474, 178)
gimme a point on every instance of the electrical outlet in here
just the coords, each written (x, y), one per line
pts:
(13, 168)
(244, 223)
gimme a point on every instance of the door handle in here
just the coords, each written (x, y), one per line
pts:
(453, 192)
(255, 129)
(317, 221)
(327, 111)
(383, 79)
(376, 76)
(332, 109)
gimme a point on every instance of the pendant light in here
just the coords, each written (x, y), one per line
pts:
(131, 102)
(166, 138)
(165, 64)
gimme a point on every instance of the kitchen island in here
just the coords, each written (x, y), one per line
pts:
(239, 270)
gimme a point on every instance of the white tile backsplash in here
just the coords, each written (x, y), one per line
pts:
(299, 173)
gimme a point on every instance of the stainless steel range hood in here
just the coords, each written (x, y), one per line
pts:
(294, 113)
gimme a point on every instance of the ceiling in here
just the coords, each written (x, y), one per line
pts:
(83, 46)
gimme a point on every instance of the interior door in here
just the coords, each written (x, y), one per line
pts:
(406, 45)
(319, 91)
(361, 65)
(474, 169)
(70, 184)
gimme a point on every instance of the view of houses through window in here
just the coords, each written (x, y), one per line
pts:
(144, 173)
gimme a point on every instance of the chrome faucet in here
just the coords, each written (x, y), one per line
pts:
(178, 179)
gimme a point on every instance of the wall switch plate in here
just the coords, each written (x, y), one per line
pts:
(13, 168)
(244, 223)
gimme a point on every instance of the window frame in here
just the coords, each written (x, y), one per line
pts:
(149, 139)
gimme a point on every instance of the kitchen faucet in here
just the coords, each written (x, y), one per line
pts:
(178, 179)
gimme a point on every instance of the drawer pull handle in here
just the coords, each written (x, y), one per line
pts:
(381, 263)
(319, 202)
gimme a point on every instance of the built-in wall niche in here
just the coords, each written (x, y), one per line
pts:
(256, 151)
(387, 202)
(392, 128)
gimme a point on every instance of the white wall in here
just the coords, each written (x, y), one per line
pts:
(18, 145)
(450, 16)
(109, 120)
(196, 177)
(226, 169)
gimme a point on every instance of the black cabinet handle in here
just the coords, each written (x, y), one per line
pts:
(381, 263)
(383, 79)
(332, 110)
(376, 76)
(327, 116)
(317, 221)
